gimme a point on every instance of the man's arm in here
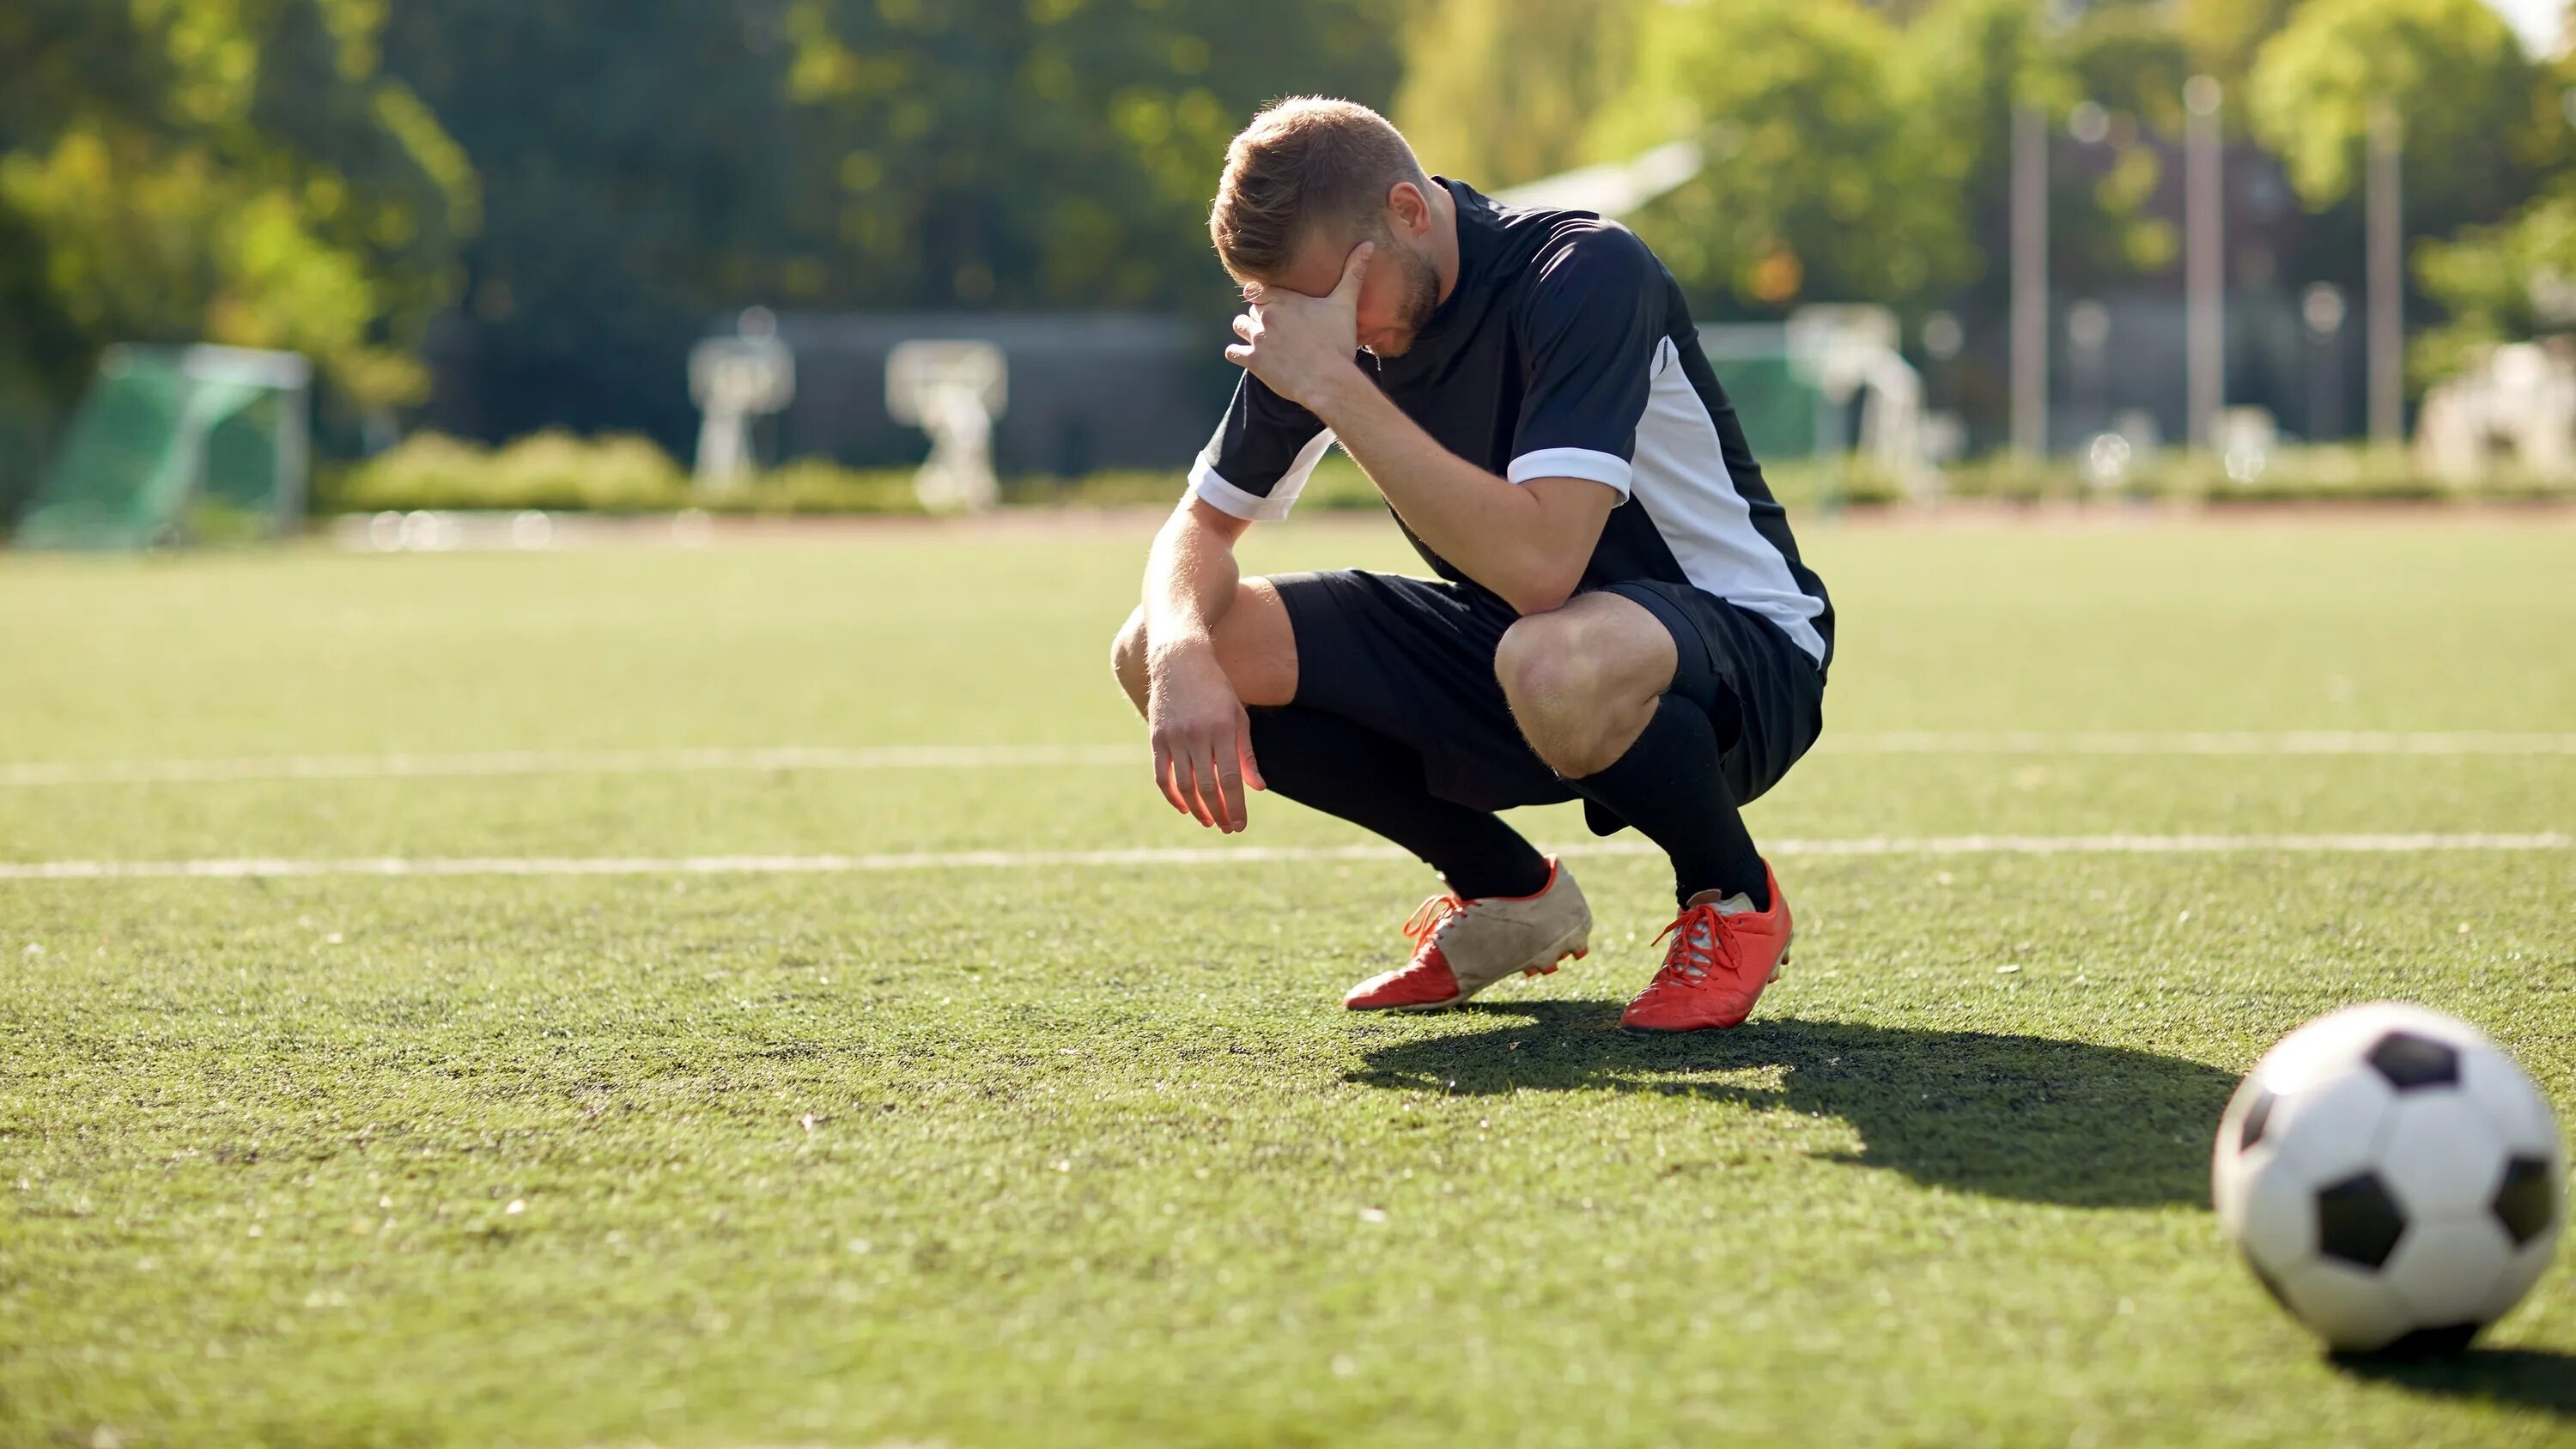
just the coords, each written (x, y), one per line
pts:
(1528, 542)
(1202, 736)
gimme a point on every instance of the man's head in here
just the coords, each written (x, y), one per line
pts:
(1306, 182)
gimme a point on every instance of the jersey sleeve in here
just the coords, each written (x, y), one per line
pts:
(1590, 328)
(1261, 455)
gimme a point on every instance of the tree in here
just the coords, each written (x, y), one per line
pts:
(2506, 283)
(647, 177)
(2478, 121)
(1823, 180)
(228, 170)
(2223, 36)
(1501, 91)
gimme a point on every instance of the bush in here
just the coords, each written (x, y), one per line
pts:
(2300, 473)
(549, 470)
(816, 486)
(557, 471)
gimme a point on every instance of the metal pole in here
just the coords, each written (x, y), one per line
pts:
(2384, 242)
(294, 454)
(2203, 261)
(2030, 282)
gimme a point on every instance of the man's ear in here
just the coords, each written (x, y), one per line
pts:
(1408, 209)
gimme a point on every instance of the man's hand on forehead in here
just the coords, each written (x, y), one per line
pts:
(1302, 345)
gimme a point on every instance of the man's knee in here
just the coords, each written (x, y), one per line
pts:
(1577, 685)
(1543, 665)
(1127, 656)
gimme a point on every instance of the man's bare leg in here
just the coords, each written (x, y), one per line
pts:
(1588, 685)
(1254, 645)
(1336, 765)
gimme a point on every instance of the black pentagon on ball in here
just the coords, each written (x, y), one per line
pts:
(2255, 1116)
(2409, 1061)
(2522, 1203)
(2358, 1221)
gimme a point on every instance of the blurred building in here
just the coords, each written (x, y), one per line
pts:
(1087, 392)
(2117, 336)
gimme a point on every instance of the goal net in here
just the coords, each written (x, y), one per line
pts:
(175, 444)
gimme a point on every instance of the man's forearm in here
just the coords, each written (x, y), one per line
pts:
(1496, 532)
(1190, 580)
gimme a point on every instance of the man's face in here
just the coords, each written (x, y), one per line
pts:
(1398, 294)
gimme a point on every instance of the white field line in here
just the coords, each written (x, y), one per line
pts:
(2206, 742)
(1936, 845)
(568, 762)
(983, 757)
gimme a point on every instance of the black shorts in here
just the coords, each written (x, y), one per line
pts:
(1414, 659)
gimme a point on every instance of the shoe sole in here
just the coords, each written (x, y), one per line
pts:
(1776, 968)
(1581, 947)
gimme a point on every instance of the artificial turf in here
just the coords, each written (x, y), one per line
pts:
(985, 1155)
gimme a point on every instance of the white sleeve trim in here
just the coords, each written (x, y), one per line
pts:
(1584, 463)
(1207, 483)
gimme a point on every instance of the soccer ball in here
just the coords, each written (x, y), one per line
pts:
(2392, 1177)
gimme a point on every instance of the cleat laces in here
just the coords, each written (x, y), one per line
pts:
(1701, 943)
(1429, 919)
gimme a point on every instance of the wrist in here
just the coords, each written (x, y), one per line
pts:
(1179, 649)
(1341, 390)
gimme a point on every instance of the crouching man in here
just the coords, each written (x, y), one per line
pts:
(1620, 614)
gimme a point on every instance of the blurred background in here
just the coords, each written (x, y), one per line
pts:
(267, 261)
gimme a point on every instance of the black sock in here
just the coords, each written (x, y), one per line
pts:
(1349, 770)
(1668, 786)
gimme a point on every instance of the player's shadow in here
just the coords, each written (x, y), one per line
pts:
(2522, 1378)
(2010, 1116)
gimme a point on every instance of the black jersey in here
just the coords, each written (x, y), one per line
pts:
(1564, 351)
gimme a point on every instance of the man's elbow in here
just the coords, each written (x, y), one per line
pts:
(1544, 587)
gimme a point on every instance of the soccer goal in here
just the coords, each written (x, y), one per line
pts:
(175, 444)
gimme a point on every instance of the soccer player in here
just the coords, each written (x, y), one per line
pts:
(1620, 614)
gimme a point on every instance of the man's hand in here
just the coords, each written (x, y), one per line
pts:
(1300, 345)
(1202, 736)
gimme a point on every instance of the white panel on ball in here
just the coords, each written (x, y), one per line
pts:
(2331, 1128)
(2278, 1217)
(2446, 1270)
(2446, 1155)
(2348, 1308)
(2490, 1079)
(2529, 1261)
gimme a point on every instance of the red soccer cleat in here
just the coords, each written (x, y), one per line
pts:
(1460, 947)
(1723, 954)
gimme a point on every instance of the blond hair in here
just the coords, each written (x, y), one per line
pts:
(1304, 163)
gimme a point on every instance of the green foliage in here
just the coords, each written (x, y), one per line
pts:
(556, 470)
(2475, 114)
(543, 470)
(1499, 92)
(2505, 283)
(2223, 36)
(2322, 474)
(697, 157)
(1823, 180)
(235, 171)
(817, 486)
(1860, 154)
(1058, 153)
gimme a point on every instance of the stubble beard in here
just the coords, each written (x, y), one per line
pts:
(1421, 299)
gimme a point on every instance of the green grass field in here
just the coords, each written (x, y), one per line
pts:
(1086, 1153)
